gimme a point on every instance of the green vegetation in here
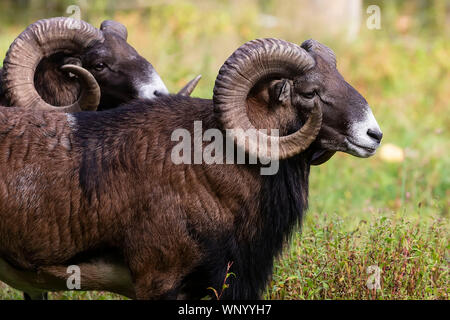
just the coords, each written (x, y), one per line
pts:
(328, 262)
(391, 212)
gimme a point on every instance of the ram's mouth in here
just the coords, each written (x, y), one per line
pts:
(359, 150)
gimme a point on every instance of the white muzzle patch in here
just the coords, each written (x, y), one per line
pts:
(359, 142)
(151, 88)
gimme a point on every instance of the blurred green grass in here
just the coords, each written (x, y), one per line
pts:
(402, 70)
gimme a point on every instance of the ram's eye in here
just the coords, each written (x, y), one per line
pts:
(99, 66)
(309, 95)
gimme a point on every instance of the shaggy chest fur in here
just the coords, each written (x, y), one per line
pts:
(252, 245)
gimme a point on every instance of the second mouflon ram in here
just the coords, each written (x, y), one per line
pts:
(114, 203)
(36, 68)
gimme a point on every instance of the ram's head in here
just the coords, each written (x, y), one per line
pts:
(45, 62)
(274, 84)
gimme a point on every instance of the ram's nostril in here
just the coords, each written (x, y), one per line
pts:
(375, 134)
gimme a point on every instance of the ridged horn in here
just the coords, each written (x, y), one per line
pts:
(40, 40)
(252, 62)
(90, 90)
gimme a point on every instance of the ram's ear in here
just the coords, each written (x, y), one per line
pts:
(114, 27)
(280, 91)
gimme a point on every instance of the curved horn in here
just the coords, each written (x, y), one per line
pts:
(90, 90)
(39, 40)
(252, 62)
(190, 86)
(116, 27)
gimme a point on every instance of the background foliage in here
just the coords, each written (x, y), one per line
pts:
(390, 210)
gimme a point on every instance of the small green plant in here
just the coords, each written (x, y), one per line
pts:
(225, 285)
